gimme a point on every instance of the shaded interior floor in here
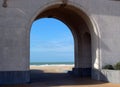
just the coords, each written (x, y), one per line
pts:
(41, 79)
(59, 79)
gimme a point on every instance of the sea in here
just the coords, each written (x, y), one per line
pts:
(52, 63)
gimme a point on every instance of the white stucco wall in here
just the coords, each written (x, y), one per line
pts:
(14, 21)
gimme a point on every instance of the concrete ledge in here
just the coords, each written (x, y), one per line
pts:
(95, 74)
(112, 76)
(82, 72)
(14, 77)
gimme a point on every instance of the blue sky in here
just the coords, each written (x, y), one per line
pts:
(51, 41)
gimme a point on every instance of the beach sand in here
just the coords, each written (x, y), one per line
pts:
(56, 76)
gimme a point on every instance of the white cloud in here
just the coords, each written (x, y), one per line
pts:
(53, 46)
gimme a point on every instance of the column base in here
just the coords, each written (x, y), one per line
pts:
(81, 72)
(14, 77)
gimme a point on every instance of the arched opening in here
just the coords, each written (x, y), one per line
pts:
(79, 23)
(51, 43)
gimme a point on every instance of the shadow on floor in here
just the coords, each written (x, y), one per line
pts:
(41, 79)
(54, 79)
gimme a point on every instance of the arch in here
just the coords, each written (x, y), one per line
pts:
(81, 16)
